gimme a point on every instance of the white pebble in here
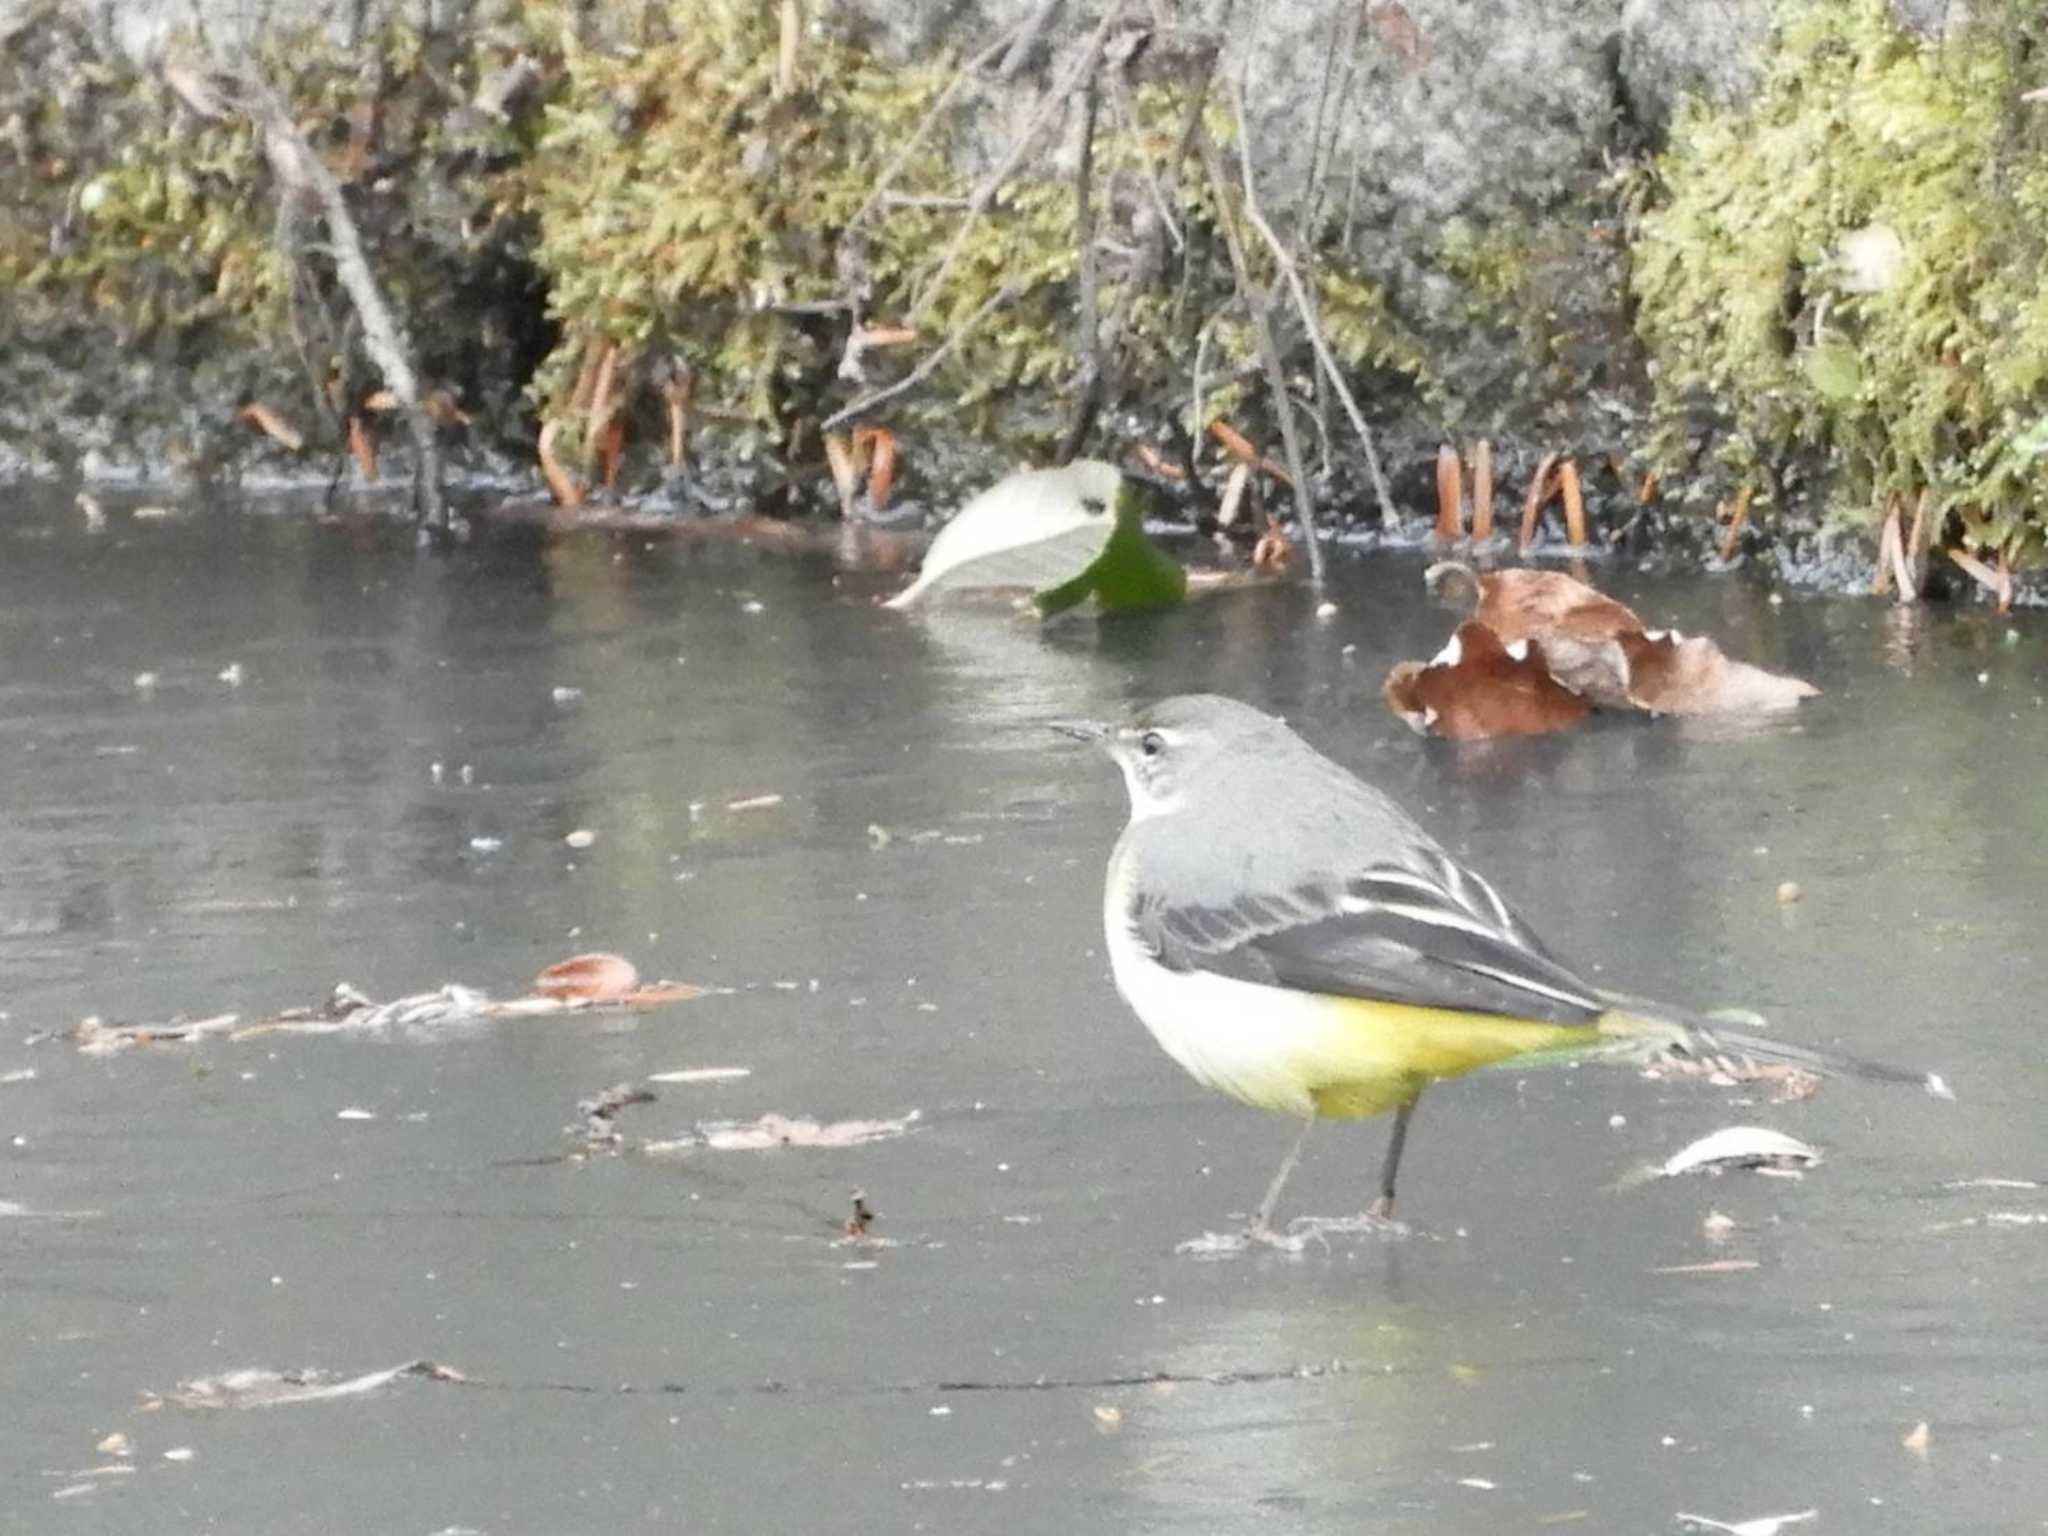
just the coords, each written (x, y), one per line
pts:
(582, 837)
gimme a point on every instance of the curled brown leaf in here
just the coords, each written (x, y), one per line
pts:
(1478, 687)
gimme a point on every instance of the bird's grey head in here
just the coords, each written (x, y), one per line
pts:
(1168, 748)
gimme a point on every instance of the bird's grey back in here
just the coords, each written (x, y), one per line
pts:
(1268, 814)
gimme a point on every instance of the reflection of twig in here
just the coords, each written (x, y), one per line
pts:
(1306, 309)
(993, 182)
(923, 370)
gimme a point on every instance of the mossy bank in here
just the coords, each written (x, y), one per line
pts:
(684, 239)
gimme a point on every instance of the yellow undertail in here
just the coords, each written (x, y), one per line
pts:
(1374, 1056)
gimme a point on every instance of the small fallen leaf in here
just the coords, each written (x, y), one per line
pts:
(1109, 1417)
(115, 1444)
(1669, 674)
(772, 1132)
(1577, 625)
(1708, 1267)
(701, 1075)
(1476, 688)
(1763, 1525)
(1742, 1146)
(1061, 534)
(1918, 1438)
(257, 1388)
(597, 977)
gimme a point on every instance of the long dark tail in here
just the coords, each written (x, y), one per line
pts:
(1646, 1031)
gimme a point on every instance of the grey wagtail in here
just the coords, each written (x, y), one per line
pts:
(1315, 952)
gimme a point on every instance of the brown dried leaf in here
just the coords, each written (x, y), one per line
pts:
(1575, 624)
(1273, 550)
(363, 447)
(1542, 486)
(1482, 491)
(840, 459)
(611, 449)
(1234, 442)
(876, 447)
(1671, 675)
(595, 978)
(561, 484)
(1574, 502)
(272, 423)
(1732, 539)
(1397, 29)
(1998, 582)
(1450, 495)
(1477, 688)
(1157, 463)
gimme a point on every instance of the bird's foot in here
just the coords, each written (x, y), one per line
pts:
(1256, 1234)
(1375, 1222)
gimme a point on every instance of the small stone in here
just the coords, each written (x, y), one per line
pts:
(1789, 892)
(582, 837)
(1326, 610)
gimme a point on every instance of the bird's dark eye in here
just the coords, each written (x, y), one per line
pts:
(1151, 743)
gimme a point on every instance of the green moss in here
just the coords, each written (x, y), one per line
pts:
(1847, 272)
(141, 232)
(685, 211)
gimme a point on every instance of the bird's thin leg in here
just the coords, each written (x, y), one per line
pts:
(1262, 1222)
(1383, 1208)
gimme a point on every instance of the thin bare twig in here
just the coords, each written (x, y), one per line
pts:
(1309, 320)
(1014, 157)
(1269, 352)
(1089, 322)
(924, 369)
(925, 125)
(1025, 38)
(1127, 119)
(383, 337)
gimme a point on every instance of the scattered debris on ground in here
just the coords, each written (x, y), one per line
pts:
(600, 1110)
(769, 1132)
(1789, 1083)
(772, 1132)
(575, 985)
(258, 1388)
(861, 1220)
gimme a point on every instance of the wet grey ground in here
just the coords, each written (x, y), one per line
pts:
(681, 1344)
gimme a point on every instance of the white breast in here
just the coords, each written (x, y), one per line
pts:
(1254, 1043)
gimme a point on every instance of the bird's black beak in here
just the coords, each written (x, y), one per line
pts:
(1082, 730)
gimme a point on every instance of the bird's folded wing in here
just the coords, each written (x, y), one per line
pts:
(1426, 932)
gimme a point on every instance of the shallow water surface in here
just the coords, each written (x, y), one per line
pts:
(684, 1342)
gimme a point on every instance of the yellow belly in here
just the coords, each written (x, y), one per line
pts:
(1304, 1053)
